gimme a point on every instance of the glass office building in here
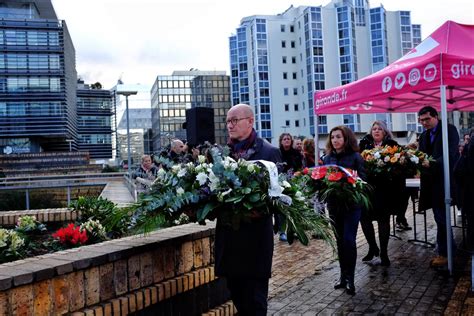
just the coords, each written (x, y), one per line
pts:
(172, 95)
(37, 79)
(94, 113)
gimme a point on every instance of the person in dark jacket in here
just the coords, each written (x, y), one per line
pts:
(291, 157)
(244, 256)
(386, 196)
(342, 150)
(309, 155)
(432, 180)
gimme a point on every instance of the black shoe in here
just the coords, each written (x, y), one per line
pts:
(350, 287)
(341, 284)
(384, 260)
(371, 254)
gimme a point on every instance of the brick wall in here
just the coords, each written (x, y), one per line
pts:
(168, 272)
(51, 215)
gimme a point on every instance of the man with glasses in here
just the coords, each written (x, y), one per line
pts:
(432, 181)
(244, 256)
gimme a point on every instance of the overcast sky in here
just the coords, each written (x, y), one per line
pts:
(140, 39)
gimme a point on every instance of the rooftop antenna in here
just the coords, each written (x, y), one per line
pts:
(119, 81)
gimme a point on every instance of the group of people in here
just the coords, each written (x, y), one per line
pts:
(244, 256)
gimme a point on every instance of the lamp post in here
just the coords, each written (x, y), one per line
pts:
(129, 158)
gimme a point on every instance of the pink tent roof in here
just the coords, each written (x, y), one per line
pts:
(446, 57)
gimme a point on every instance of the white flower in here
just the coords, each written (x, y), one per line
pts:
(377, 155)
(161, 173)
(380, 163)
(299, 196)
(201, 178)
(201, 159)
(220, 196)
(386, 159)
(251, 168)
(179, 191)
(285, 184)
(214, 181)
(182, 173)
(414, 159)
(397, 155)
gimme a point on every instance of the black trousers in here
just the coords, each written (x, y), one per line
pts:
(249, 295)
(369, 232)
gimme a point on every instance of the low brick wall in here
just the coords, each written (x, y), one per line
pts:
(168, 272)
(51, 215)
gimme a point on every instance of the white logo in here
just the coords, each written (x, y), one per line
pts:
(421, 49)
(414, 77)
(386, 84)
(7, 150)
(429, 73)
(400, 80)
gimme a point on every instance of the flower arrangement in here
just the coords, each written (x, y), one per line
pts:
(336, 183)
(71, 236)
(11, 245)
(236, 191)
(394, 161)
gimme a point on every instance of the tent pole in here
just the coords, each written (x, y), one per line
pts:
(316, 140)
(447, 186)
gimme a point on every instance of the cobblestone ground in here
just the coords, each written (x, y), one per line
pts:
(303, 278)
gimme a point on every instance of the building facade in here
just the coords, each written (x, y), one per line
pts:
(94, 126)
(278, 61)
(172, 95)
(37, 79)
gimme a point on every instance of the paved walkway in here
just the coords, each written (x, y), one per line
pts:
(303, 278)
(116, 191)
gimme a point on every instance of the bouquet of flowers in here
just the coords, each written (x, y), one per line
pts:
(236, 191)
(394, 161)
(335, 183)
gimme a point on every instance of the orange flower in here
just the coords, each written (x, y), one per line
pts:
(393, 159)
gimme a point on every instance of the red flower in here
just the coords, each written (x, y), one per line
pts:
(335, 176)
(305, 171)
(319, 173)
(351, 180)
(71, 235)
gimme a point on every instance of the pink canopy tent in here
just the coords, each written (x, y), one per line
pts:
(446, 57)
(438, 72)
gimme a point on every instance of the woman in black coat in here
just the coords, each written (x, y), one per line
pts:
(386, 197)
(342, 150)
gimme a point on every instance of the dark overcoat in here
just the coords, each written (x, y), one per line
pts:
(248, 251)
(387, 195)
(432, 180)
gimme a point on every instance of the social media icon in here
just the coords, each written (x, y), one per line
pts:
(414, 77)
(386, 84)
(429, 73)
(400, 80)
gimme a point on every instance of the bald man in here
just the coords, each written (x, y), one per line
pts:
(244, 256)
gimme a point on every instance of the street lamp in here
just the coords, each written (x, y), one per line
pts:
(129, 159)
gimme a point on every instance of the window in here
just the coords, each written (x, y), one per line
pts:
(293, 60)
(282, 28)
(287, 107)
(292, 28)
(283, 44)
(285, 75)
(295, 91)
(322, 124)
(297, 123)
(287, 123)
(293, 44)
(294, 75)
(283, 59)
(285, 91)
(296, 107)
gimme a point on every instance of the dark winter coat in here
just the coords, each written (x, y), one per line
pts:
(387, 195)
(248, 251)
(293, 159)
(432, 180)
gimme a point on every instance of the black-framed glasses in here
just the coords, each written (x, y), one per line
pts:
(234, 121)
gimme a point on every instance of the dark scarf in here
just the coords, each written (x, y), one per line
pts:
(245, 148)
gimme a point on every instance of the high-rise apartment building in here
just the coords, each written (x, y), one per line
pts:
(37, 79)
(172, 95)
(94, 115)
(278, 61)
